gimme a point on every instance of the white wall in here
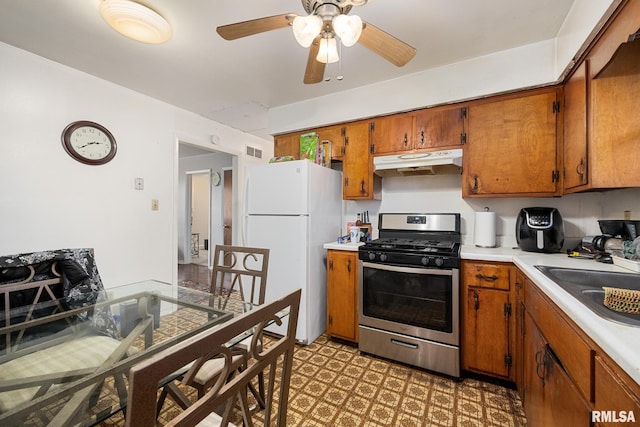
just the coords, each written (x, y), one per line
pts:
(48, 200)
(200, 206)
(442, 193)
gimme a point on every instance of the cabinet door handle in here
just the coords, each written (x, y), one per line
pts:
(406, 140)
(349, 265)
(422, 137)
(474, 189)
(518, 285)
(541, 360)
(487, 278)
(362, 187)
(476, 301)
(580, 168)
(331, 265)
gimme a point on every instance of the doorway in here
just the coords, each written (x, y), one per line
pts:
(205, 208)
(200, 215)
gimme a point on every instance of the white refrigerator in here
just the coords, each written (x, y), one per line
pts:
(293, 209)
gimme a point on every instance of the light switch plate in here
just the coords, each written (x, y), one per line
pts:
(139, 184)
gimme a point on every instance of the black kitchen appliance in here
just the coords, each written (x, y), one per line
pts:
(540, 229)
(409, 291)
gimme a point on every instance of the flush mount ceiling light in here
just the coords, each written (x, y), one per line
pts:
(135, 21)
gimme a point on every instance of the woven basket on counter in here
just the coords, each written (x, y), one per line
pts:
(622, 300)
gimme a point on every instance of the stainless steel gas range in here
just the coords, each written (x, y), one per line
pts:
(409, 291)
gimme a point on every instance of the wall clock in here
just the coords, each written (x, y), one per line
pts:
(89, 142)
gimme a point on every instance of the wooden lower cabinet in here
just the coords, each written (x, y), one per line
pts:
(550, 397)
(617, 397)
(487, 331)
(342, 294)
(561, 374)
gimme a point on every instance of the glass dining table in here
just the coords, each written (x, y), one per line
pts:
(70, 367)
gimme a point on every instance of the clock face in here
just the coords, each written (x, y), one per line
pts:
(89, 143)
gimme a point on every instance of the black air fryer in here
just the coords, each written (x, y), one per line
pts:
(540, 230)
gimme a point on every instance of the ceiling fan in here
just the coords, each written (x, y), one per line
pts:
(326, 20)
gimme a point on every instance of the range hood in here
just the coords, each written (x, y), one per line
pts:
(430, 163)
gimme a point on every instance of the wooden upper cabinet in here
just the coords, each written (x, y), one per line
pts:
(601, 130)
(287, 145)
(358, 180)
(511, 146)
(336, 135)
(392, 134)
(423, 130)
(575, 130)
(438, 128)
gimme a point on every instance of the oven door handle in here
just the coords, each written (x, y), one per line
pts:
(404, 344)
(414, 270)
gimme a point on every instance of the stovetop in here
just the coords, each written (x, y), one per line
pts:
(421, 240)
(422, 245)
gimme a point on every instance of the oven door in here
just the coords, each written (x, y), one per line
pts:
(414, 301)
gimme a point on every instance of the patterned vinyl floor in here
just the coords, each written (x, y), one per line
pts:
(333, 384)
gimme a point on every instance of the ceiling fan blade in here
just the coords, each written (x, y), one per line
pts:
(384, 44)
(315, 69)
(255, 26)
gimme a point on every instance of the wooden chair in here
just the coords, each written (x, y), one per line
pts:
(194, 352)
(239, 274)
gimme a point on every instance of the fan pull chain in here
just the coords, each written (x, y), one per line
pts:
(340, 76)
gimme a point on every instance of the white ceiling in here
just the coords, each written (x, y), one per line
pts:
(235, 82)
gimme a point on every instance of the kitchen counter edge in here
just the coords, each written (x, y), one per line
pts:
(343, 246)
(620, 342)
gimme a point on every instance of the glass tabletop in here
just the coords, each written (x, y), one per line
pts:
(64, 360)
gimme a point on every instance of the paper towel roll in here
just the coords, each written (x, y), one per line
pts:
(484, 232)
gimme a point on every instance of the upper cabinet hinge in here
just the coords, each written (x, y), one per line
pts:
(556, 107)
(343, 131)
(372, 126)
(463, 112)
(463, 138)
(372, 148)
(555, 176)
(507, 309)
(507, 360)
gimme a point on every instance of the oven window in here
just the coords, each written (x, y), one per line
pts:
(417, 299)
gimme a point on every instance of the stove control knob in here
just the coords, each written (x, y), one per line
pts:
(383, 257)
(372, 256)
(439, 262)
(425, 260)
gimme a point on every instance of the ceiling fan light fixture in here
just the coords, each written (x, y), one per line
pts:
(135, 21)
(306, 29)
(348, 28)
(328, 51)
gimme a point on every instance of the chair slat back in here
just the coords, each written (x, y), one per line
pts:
(145, 377)
(241, 269)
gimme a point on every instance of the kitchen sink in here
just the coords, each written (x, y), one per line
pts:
(586, 287)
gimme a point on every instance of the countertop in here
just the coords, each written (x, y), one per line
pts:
(620, 342)
(343, 246)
